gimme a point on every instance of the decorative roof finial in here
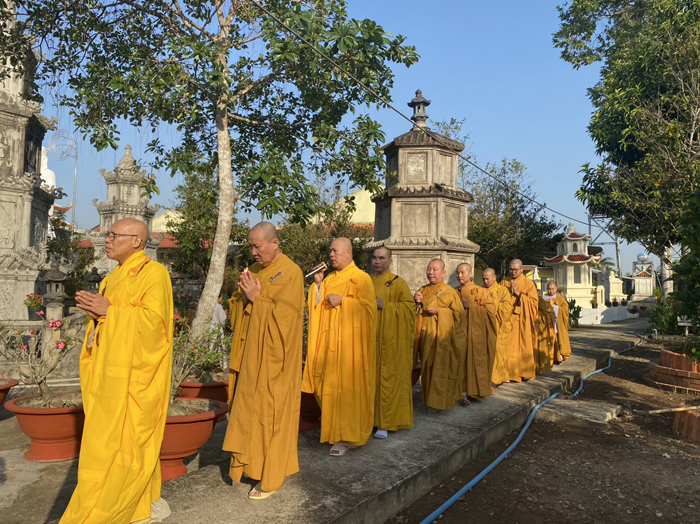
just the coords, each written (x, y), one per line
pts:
(419, 104)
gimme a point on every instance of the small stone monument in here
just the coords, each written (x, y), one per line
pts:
(124, 200)
(422, 212)
(643, 274)
(573, 268)
(613, 287)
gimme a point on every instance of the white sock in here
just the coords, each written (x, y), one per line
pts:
(381, 433)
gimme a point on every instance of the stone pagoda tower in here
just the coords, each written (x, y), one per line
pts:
(422, 213)
(124, 200)
(573, 268)
(24, 201)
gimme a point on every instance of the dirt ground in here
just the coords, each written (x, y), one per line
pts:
(638, 471)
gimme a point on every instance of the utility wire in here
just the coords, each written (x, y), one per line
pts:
(438, 138)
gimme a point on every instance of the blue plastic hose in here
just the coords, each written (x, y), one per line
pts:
(435, 514)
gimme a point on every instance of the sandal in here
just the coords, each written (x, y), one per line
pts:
(258, 494)
(339, 449)
(434, 412)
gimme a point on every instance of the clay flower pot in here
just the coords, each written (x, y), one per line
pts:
(211, 390)
(309, 413)
(55, 433)
(675, 369)
(5, 385)
(184, 435)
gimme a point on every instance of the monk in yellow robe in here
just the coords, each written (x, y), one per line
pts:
(503, 308)
(125, 374)
(479, 331)
(341, 359)
(561, 308)
(437, 340)
(396, 319)
(523, 337)
(546, 337)
(267, 318)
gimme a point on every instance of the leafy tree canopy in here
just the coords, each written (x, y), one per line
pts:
(239, 81)
(647, 111)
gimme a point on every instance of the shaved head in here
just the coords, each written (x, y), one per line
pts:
(465, 265)
(436, 271)
(516, 262)
(384, 250)
(266, 230)
(341, 253)
(489, 277)
(464, 273)
(439, 261)
(134, 227)
(126, 237)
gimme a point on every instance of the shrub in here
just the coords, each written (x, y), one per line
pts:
(574, 313)
(663, 318)
(691, 347)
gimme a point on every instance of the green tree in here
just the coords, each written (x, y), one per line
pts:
(647, 111)
(195, 226)
(504, 218)
(241, 83)
(687, 270)
(61, 243)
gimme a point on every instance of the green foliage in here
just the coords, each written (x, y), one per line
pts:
(238, 90)
(691, 347)
(503, 219)
(195, 226)
(686, 272)
(663, 318)
(647, 111)
(574, 313)
(61, 244)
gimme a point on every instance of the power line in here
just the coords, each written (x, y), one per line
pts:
(388, 104)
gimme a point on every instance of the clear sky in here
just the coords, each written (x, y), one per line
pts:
(491, 63)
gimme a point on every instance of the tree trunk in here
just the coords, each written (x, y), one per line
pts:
(227, 201)
(667, 272)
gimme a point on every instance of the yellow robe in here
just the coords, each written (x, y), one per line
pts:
(503, 306)
(125, 373)
(563, 342)
(523, 337)
(393, 406)
(438, 344)
(546, 337)
(265, 376)
(478, 328)
(341, 359)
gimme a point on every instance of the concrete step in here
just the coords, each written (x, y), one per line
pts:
(585, 413)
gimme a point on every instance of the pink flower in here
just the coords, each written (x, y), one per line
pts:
(40, 313)
(32, 332)
(23, 347)
(54, 324)
(60, 345)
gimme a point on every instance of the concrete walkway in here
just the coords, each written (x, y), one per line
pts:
(365, 486)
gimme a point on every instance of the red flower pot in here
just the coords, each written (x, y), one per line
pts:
(211, 390)
(309, 413)
(184, 435)
(55, 433)
(5, 388)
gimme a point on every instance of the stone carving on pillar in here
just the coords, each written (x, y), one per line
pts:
(422, 212)
(123, 200)
(24, 202)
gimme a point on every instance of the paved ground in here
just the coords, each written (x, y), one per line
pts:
(369, 484)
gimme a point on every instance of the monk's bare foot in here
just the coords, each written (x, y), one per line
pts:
(493, 390)
(258, 494)
(464, 401)
(433, 412)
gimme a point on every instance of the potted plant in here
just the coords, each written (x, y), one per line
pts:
(5, 385)
(200, 368)
(52, 421)
(190, 420)
(594, 303)
(35, 306)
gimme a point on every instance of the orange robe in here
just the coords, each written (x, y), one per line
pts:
(563, 342)
(438, 344)
(393, 406)
(265, 376)
(478, 328)
(340, 359)
(125, 372)
(503, 306)
(523, 337)
(546, 337)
